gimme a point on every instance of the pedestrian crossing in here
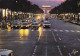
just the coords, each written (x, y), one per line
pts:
(54, 30)
(61, 30)
(78, 31)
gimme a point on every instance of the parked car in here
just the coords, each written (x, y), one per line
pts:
(35, 26)
(15, 26)
(24, 25)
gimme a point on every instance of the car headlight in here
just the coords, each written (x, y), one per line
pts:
(16, 26)
(30, 24)
(21, 26)
(11, 26)
(26, 26)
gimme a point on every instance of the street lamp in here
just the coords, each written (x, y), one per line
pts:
(16, 1)
(79, 3)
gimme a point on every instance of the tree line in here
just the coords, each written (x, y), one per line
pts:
(20, 5)
(69, 6)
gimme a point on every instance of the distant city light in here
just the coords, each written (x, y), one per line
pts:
(3, 12)
(46, 6)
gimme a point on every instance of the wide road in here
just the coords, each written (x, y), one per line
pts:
(62, 39)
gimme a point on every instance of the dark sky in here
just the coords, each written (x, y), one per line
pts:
(53, 3)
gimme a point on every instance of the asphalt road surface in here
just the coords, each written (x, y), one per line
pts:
(62, 39)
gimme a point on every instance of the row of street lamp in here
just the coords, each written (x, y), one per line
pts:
(67, 16)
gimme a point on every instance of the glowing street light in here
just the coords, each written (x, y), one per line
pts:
(79, 3)
(16, 1)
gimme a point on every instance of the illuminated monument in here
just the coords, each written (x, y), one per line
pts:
(46, 9)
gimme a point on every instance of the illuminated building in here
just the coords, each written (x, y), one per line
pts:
(46, 8)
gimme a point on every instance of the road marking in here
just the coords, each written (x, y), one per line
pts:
(74, 52)
(69, 54)
(33, 53)
(64, 46)
(55, 30)
(36, 47)
(52, 47)
(34, 50)
(78, 31)
(39, 38)
(54, 36)
(61, 30)
(78, 39)
(49, 30)
(46, 51)
(59, 50)
(72, 31)
(46, 38)
(67, 30)
(57, 35)
(60, 38)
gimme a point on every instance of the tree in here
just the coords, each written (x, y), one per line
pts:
(19, 5)
(69, 6)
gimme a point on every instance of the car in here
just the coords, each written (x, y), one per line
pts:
(39, 23)
(35, 26)
(30, 24)
(46, 24)
(6, 52)
(15, 26)
(24, 25)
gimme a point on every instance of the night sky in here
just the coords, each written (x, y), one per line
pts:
(53, 3)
